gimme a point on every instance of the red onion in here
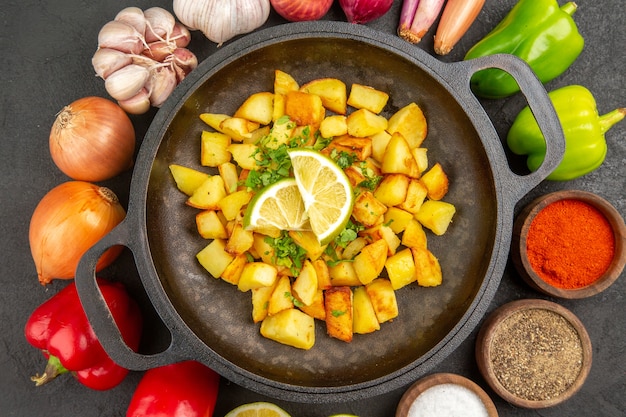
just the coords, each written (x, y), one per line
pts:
(363, 11)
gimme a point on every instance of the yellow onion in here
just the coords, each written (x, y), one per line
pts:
(92, 139)
(68, 220)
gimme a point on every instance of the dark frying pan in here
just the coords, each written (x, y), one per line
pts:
(209, 320)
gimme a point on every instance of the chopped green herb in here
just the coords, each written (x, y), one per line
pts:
(338, 313)
(287, 253)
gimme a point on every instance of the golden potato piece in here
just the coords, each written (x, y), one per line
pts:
(398, 158)
(427, 268)
(281, 298)
(210, 226)
(392, 190)
(214, 120)
(364, 318)
(284, 83)
(436, 181)
(214, 257)
(208, 194)
(259, 108)
(397, 219)
(305, 286)
(338, 306)
(366, 97)
(333, 126)
(363, 123)
(409, 121)
(290, 327)
(414, 235)
(383, 299)
(238, 128)
(187, 179)
(436, 215)
(316, 309)
(233, 271)
(370, 262)
(367, 209)
(401, 269)
(256, 275)
(304, 108)
(332, 91)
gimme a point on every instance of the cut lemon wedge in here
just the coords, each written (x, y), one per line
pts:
(277, 205)
(325, 190)
(258, 409)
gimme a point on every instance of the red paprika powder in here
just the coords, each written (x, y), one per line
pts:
(570, 244)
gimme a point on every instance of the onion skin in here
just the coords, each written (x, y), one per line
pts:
(68, 220)
(364, 11)
(301, 10)
(92, 139)
(457, 17)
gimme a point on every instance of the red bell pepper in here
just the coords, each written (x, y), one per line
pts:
(184, 389)
(60, 328)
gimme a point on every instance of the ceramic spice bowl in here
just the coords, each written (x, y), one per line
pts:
(569, 244)
(445, 395)
(533, 353)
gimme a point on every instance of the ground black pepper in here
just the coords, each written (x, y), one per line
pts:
(536, 354)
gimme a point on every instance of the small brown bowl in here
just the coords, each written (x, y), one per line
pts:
(422, 385)
(533, 353)
(519, 246)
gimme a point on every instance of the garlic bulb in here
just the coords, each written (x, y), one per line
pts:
(142, 56)
(222, 20)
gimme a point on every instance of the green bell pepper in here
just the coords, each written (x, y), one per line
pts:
(537, 31)
(583, 128)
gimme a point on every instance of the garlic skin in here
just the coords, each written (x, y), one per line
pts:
(221, 20)
(142, 57)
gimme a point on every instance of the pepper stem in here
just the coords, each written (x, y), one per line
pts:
(569, 8)
(53, 369)
(608, 120)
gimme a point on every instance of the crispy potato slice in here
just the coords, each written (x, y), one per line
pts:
(233, 271)
(338, 306)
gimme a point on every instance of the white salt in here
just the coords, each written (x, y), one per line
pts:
(447, 400)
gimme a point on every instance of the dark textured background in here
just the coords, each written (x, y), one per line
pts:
(46, 63)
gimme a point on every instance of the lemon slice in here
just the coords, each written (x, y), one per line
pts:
(279, 205)
(258, 409)
(325, 190)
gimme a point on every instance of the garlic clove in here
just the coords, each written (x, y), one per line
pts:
(134, 17)
(137, 104)
(145, 61)
(159, 24)
(106, 61)
(120, 36)
(161, 83)
(126, 82)
(185, 59)
(159, 50)
(180, 35)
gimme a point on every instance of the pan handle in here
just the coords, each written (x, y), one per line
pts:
(540, 105)
(100, 316)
